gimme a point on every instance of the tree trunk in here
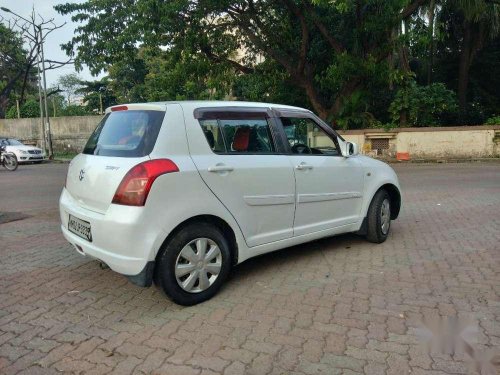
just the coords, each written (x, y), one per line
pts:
(25, 82)
(405, 67)
(311, 93)
(432, 8)
(3, 106)
(463, 70)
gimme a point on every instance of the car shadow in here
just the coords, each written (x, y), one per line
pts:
(294, 254)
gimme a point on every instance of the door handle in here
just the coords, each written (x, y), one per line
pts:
(303, 166)
(220, 168)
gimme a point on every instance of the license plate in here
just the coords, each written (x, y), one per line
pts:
(80, 228)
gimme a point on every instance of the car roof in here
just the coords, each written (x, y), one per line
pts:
(191, 105)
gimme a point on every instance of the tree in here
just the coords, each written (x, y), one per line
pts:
(21, 41)
(328, 50)
(29, 109)
(425, 105)
(481, 21)
(177, 75)
(97, 95)
(16, 66)
(69, 84)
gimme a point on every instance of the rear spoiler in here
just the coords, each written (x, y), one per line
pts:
(136, 107)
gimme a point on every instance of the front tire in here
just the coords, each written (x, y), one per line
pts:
(379, 217)
(10, 162)
(194, 264)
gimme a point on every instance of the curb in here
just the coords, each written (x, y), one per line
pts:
(60, 161)
(390, 161)
(442, 161)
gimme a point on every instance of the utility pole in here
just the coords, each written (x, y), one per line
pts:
(47, 122)
(39, 84)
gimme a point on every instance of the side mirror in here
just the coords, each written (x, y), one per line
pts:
(350, 149)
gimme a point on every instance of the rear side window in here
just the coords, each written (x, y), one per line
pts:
(251, 136)
(214, 135)
(131, 133)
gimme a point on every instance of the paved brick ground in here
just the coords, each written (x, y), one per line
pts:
(335, 306)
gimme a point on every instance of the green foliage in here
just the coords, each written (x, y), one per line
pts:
(425, 105)
(16, 63)
(69, 84)
(494, 120)
(30, 109)
(74, 110)
(127, 78)
(12, 112)
(97, 94)
(269, 83)
(350, 61)
(183, 49)
(176, 75)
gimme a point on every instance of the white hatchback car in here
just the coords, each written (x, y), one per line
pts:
(179, 192)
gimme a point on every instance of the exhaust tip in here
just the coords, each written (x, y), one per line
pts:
(79, 249)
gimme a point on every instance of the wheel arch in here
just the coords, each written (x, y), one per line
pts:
(395, 197)
(226, 229)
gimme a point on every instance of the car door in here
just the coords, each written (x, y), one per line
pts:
(329, 187)
(240, 161)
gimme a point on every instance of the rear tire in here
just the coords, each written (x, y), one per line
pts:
(379, 217)
(194, 264)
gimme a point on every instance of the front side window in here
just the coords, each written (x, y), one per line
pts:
(239, 136)
(306, 137)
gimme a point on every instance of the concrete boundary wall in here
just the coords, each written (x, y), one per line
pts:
(459, 142)
(462, 142)
(68, 133)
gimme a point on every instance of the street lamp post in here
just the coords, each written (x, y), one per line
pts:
(47, 138)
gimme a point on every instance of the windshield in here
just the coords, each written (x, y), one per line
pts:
(130, 133)
(14, 142)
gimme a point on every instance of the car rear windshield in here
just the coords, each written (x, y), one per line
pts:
(130, 133)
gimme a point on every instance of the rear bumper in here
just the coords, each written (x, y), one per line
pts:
(128, 266)
(121, 237)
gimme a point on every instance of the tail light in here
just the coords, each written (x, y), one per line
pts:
(135, 186)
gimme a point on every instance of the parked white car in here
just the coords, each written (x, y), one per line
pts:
(179, 192)
(23, 153)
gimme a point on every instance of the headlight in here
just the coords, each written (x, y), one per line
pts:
(23, 152)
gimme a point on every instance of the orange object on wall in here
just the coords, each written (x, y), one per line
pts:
(403, 156)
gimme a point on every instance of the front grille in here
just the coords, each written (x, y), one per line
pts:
(34, 151)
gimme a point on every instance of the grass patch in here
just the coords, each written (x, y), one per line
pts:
(65, 155)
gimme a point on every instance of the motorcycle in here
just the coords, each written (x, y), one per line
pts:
(8, 159)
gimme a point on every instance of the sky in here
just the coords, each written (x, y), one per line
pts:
(52, 44)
